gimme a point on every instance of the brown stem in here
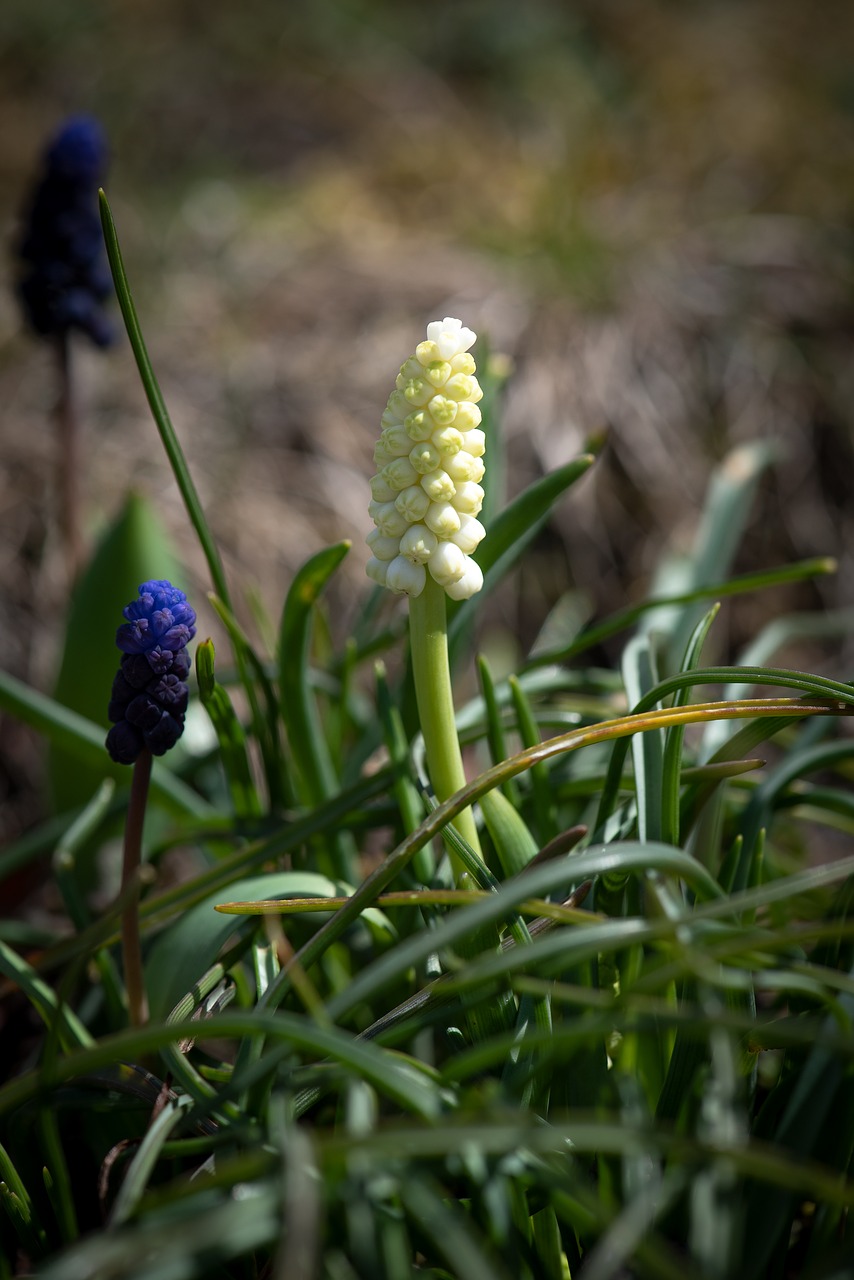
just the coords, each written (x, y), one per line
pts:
(68, 424)
(131, 950)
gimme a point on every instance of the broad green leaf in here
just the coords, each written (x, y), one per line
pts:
(184, 951)
(133, 549)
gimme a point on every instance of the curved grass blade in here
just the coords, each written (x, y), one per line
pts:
(574, 740)
(265, 727)
(230, 735)
(599, 632)
(157, 404)
(672, 761)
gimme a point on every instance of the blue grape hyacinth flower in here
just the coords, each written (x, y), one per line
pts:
(150, 693)
(64, 279)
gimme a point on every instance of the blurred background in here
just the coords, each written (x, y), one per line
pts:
(647, 207)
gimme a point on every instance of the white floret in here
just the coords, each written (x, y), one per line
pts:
(447, 563)
(405, 577)
(468, 585)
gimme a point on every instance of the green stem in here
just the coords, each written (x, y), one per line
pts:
(428, 630)
(68, 423)
(131, 950)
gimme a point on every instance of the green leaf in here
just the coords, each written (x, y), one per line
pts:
(133, 549)
(184, 951)
(673, 739)
(511, 533)
(230, 735)
(514, 844)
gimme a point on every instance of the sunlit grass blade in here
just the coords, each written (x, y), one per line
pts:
(529, 736)
(639, 676)
(230, 735)
(674, 738)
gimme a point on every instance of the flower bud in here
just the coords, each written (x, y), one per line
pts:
(405, 577)
(412, 504)
(447, 564)
(468, 499)
(382, 547)
(419, 543)
(438, 486)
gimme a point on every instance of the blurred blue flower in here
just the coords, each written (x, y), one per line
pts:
(149, 695)
(64, 278)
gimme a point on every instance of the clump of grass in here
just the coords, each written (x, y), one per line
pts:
(607, 1035)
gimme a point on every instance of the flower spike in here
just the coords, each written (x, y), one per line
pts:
(427, 493)
(150, 693)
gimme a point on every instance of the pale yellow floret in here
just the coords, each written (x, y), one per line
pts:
(462, 387)
(474, 442)
(442, 519)
(399, 473)
(463, 363)
(438, 372)
(448, 440)
(438, 486)
(417, 392)
(396, 441)
(418, 543)
(419, 425)
(426, 353)
(468, 499)
(468, 416)
(443, 410)
(460, 467)
(425, 457)
(412, 503)
(405, 577)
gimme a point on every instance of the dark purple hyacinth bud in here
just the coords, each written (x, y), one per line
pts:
(149, 695)
(64, 278)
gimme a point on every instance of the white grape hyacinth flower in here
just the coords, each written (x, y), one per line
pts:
(426, 493)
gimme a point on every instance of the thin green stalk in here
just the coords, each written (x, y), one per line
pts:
(428, 631)
(131, 950)
(68, 425)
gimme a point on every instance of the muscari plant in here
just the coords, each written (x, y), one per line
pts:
(588, 1012)
(62, 284)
